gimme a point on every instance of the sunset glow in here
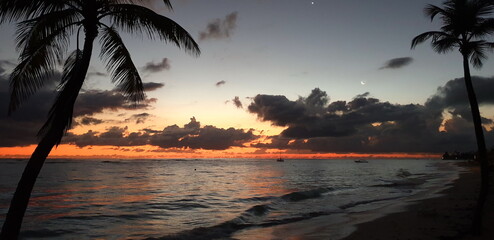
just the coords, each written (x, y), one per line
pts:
(246, 119)
(295, 82)
(150, 152)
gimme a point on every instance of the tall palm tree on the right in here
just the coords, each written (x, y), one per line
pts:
(465, 26)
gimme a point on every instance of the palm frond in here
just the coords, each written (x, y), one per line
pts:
(482, 7)
(70, 67)
(476, 52)
(432, 11)
(137, 19)
(435, 35)
(17, 9)
(484, 28)
(489, 46)
(62, 110)
(37, 62)
(119, 63)
(34, 30)
(167, 3)
(27, 78)
(444, 44)
(13, 10)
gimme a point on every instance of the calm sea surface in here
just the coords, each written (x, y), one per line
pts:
(206, 198)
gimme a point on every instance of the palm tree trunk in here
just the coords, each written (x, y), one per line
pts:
(482, 150)
(20, 200)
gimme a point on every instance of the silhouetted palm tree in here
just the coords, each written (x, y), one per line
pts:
(43, 39)
(466, 26)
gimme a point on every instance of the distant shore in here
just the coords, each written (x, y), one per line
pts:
(445, 217)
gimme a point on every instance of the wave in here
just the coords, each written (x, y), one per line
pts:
(291, 197)
(268, 214)
(225, 230)
(403, 173)
(407, 183)
(256, 199)
(176, 206)
(304, 195)
(257, 216)
(259, 210)
(405, 180)
(354, 204)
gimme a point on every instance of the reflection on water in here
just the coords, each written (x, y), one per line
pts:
(120, 199)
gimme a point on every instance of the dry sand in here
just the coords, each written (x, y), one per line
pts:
(444, 217)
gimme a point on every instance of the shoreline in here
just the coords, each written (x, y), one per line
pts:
(447, 216)
(444, 212)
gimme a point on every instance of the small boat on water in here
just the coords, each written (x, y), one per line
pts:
(361, 161)
(280, 159)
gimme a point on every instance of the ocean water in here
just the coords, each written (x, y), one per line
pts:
(207, 198)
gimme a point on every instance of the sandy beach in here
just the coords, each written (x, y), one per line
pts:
(445, 217)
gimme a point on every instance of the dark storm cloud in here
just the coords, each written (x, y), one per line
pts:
(220, 28)
(236, 101)
(139, 118)
(193, 136)
(317, 98)
(21, 127)
(222, 82)
(114, 136)
(396, 63)
(151, 86)
(453, 94)
(366, 124)
(152, 67)
(90, 121)
(465, 113)
(190, 136)
(96, 101)
(277, 109)
(96, 74)
(453, 97)
(338, 106)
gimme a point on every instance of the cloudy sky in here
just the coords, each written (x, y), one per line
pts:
(305, 78)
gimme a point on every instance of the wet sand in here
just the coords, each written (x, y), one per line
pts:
(445, 217)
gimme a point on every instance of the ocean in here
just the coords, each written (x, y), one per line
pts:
(212, 198)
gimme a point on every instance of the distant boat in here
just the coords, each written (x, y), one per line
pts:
(361, 161)
(280, 159)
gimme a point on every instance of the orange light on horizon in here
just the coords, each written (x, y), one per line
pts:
(152, 152)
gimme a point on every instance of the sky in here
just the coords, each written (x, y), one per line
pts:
(302, 79)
